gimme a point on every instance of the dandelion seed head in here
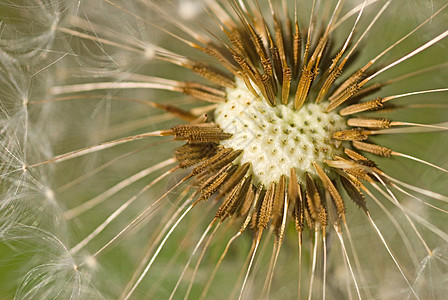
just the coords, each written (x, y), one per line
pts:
(127, 176)
(276, 139)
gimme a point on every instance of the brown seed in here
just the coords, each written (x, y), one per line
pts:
(191, 154)
(331, 188)
(210, 186)
(369, 123)
(323, 217)
(213, 75)
(351, 135)
(328, 84)
(360, 158)
(218, 164)
(234, 180)
(312, 197)
(234, 199)
(303, 87)
(363, 106)
(268, 89)
(199, 133)
(286, 85)
(354, 192)
(308, 219)
(248, 200)
(343, 97)
(352, 80)
(265, 213)
(297, 49)
(295, 199)
(278, 203)
(372, 148)
(203, 95)
(206, 165)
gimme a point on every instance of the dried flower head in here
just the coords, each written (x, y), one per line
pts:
(287, 117)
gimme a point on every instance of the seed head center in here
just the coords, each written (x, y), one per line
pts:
(276, 139)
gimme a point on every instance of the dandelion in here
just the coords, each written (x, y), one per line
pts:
(224, 149)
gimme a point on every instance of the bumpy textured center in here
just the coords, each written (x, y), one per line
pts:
(276, 139)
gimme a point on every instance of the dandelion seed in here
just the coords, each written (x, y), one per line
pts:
(184, 142)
